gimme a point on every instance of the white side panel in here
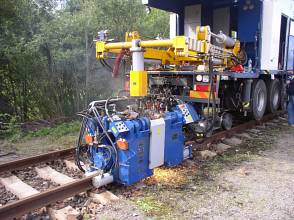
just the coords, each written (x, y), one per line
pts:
(286, 7)
(157, 139)
(172, 25)
(290, 61)
(271, 23)
(192, 20)
(292, 28)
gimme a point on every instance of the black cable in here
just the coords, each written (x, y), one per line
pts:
(106, 66)
(108, 137)
(79, 143)
(212, 89)
(211, 94)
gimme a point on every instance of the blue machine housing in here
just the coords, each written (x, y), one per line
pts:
(189, 113)
(174, 139)
(133, 164)
(102, 157)
(193, 112)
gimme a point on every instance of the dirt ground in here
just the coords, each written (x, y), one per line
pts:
(10, 150)
(252, 181)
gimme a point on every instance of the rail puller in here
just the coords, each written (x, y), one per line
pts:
(127, 151)
(125, 138)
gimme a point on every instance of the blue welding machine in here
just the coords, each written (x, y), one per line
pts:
(174, 138)
(133, 163)
(136, 146)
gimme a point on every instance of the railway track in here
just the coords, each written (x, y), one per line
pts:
(69, 186)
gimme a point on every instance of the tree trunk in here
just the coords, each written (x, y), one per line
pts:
(87, 68)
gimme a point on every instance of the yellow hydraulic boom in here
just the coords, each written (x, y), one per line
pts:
(177, 51)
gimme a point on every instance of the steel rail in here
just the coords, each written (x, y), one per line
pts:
(25, 162)
(234, 130)
(23, 206)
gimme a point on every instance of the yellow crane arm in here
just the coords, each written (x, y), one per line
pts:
(175, 51)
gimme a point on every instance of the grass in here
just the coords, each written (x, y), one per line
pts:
(151, 206)
(56, 132)
(43, 140)
(59, 131)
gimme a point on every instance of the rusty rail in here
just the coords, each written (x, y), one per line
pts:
(234, 130)
(16, 164)
(23, 206)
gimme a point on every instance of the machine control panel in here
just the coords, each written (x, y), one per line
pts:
(121, 127)
(186, 113)
(118, 128)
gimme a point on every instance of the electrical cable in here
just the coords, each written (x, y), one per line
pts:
(86, 116)
(79, 143)
(108, 137)
(211, 94)
(106, 106)
(105, 65)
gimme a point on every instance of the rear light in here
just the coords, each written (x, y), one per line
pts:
(199, 78)
(122, 144)
(203, 88)
(88, 139)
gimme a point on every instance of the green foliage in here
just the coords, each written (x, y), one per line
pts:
(11, 128)
(66, 130)
(47, 57)
(56, 132)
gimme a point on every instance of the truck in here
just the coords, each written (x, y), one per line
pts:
(223, 57)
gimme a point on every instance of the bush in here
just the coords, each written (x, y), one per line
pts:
(57, 131)
(10, 127)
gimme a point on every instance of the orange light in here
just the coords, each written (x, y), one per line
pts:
(88, 139)
(122, 144)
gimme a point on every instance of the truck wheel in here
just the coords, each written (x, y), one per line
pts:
(284, 104)
(274, 96)
(226, 121)
(284, 96)
(259, 99)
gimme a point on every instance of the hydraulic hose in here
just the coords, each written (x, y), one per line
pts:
(115, 70)
(211, 94)
(106, 65)
(78, 147)
(106, 106)
(107, 135)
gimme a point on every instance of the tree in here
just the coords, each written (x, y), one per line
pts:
(47, 65)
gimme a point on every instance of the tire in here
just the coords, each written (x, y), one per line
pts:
(284, 105)
(226, 121)
(258, 99)
(274, 96)
(284, 97)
